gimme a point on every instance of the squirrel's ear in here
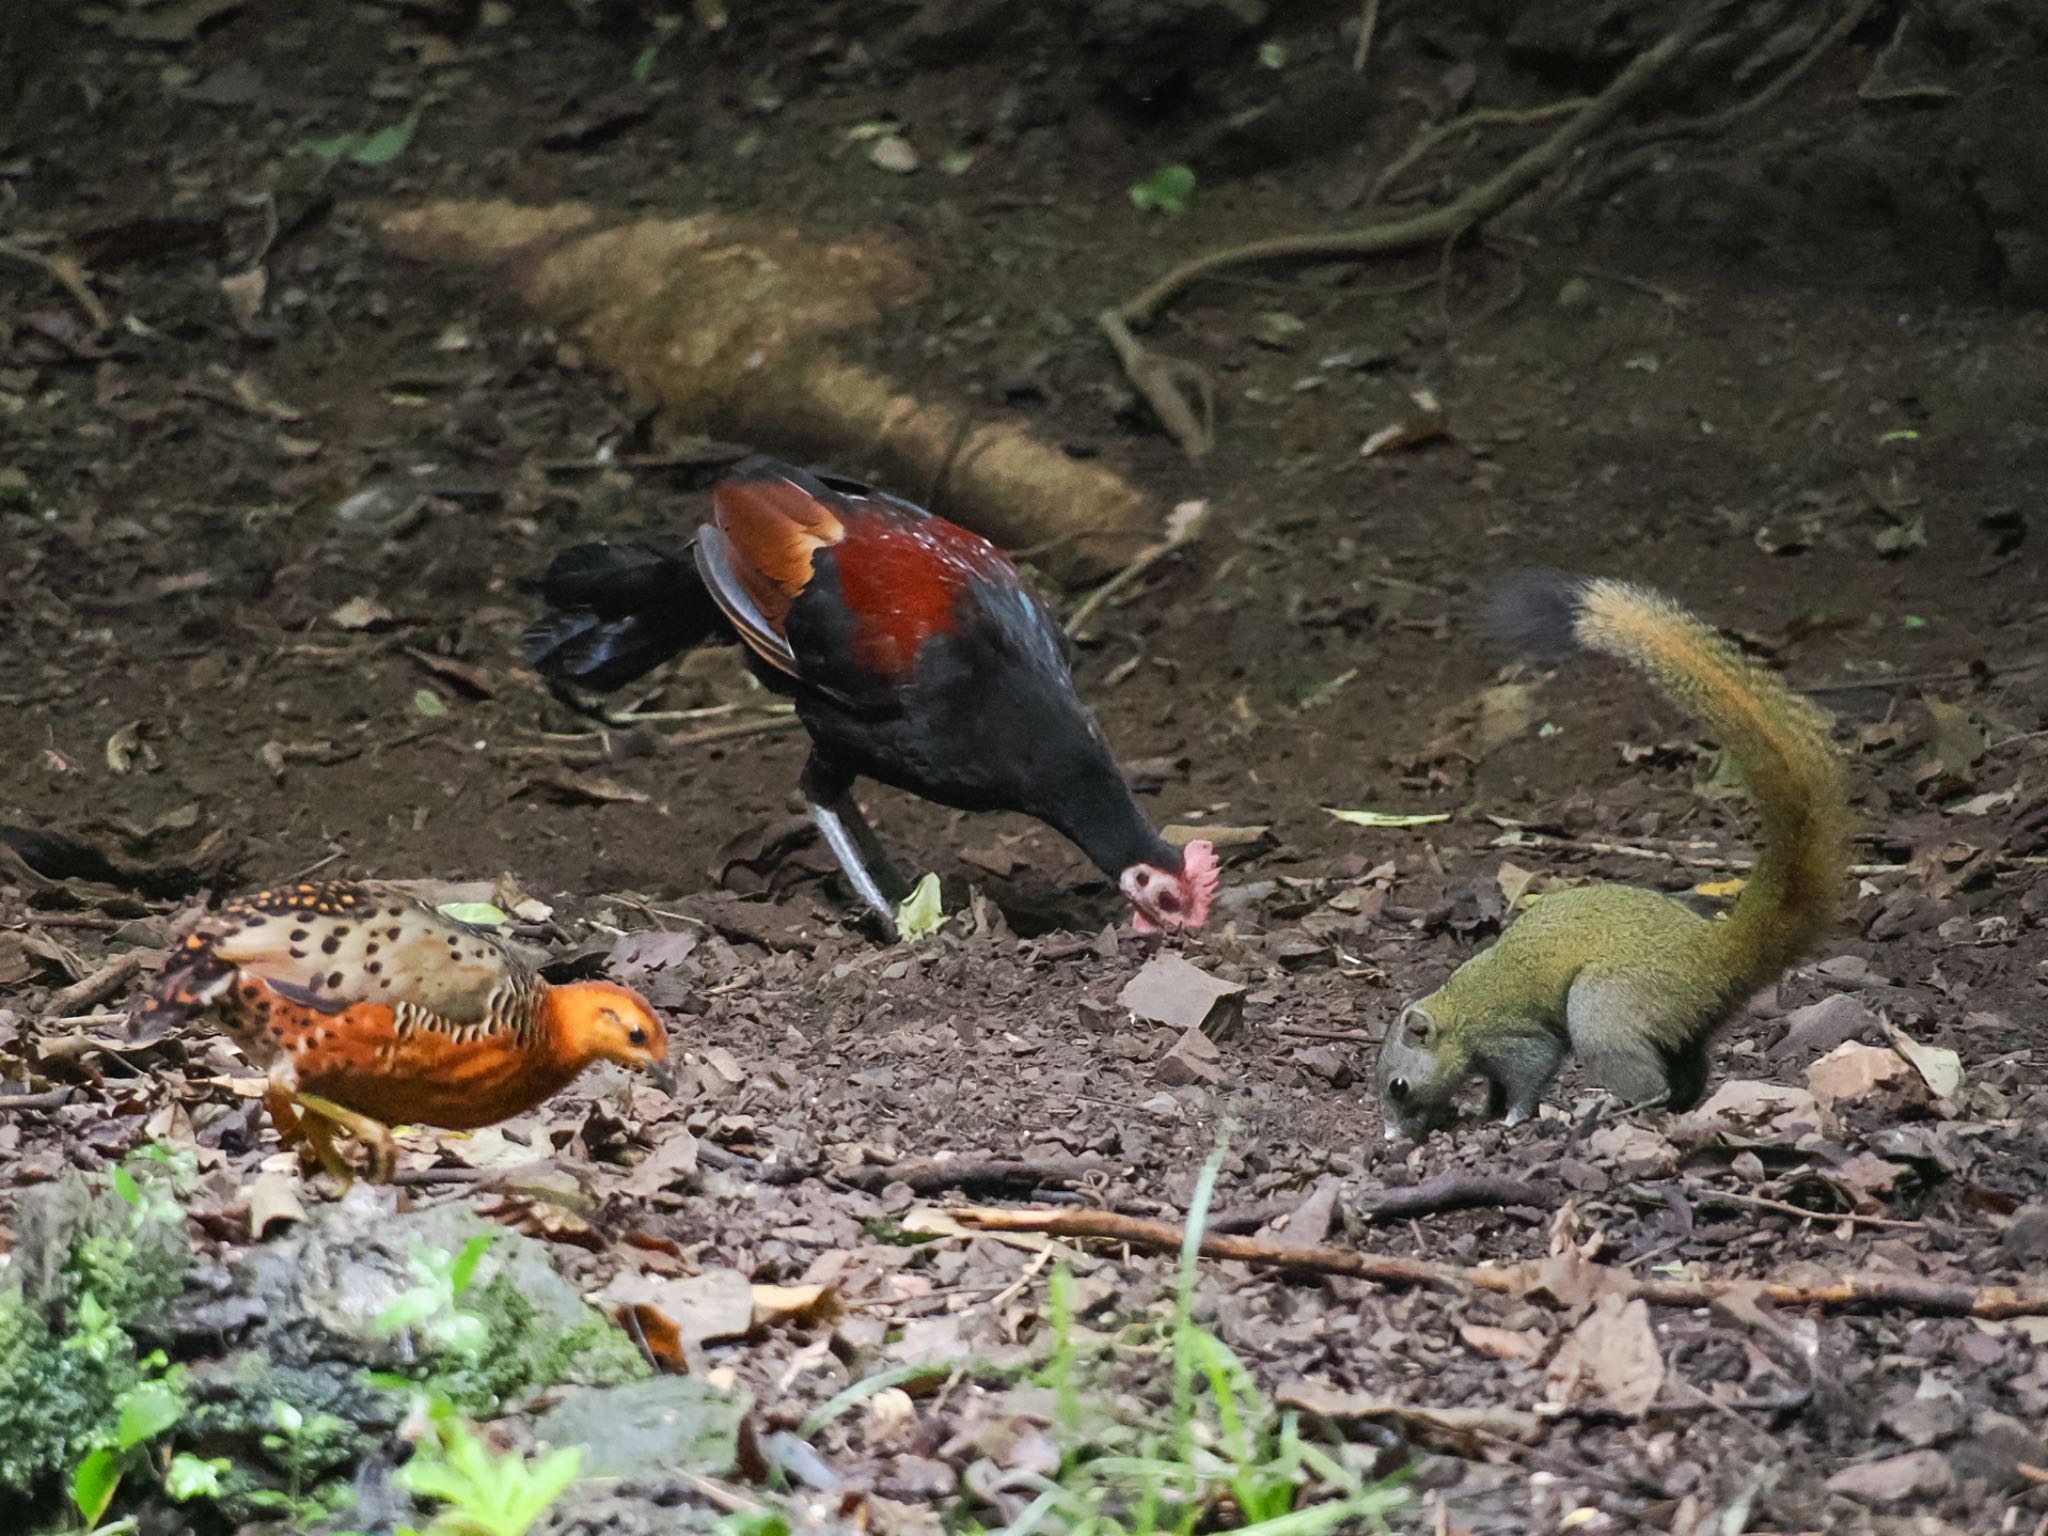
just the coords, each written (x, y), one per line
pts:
(1416, 1026)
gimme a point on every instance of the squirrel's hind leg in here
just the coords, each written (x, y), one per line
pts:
(1607, 1020)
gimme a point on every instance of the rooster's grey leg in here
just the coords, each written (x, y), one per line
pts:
(853, 841)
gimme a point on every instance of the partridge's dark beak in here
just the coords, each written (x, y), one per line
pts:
(664, 1077)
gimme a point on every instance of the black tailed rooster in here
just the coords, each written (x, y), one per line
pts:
(915, 652)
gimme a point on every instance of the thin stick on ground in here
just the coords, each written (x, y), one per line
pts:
(1787, 1208)
(101, 984)
(69, 276)
(766, 727)
(1450, 1192)
(1181, 528)
(1850, 1292)
(1524, 837)
(1368, 24)
(1156, 376)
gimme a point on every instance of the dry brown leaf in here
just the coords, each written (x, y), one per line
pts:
(671, 1163)
(1570, 1279)
(1170, 991)
(1501, 1343)
(1746, 1107)
(587, 789)
(1636, 1149)
(794, 1304)
(273, 1197)
(1939, 1067)
(1610, 1361)
(1514, 882)
(1853, 1071)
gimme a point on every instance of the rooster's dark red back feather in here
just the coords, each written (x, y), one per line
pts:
(901, 572)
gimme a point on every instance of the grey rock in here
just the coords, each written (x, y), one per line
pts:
(649, 1430)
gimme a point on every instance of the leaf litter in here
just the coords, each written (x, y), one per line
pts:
(813, 1067)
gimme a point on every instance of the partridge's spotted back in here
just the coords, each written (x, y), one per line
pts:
(332, 944)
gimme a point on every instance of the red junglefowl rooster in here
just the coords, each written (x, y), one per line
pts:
(915, 652)
(369, 1008)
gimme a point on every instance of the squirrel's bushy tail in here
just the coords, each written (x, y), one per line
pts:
(1779, 742)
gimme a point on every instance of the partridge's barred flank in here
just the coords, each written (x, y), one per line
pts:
(367, 1008)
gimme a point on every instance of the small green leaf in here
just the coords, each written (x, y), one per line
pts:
(410, 1310)
(1386, 818)
(126, 1187)
(474, 1250)
(146, 1412)
(386, 144)
(1166, 190)
(1914, 621)
(191, 1478)
(93, 1485)
(334, 148)
(372, 149)
(1900, 435)
(922, 913)
(286, 1417)
(643, 63)
(429, 703)
(478, 914)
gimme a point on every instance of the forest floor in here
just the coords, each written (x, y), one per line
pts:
(266, 572)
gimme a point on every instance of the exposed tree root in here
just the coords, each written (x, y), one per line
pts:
(1157, 377)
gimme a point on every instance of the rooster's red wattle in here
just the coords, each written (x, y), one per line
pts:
(915, 652)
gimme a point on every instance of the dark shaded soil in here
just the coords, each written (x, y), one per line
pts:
(192, 506)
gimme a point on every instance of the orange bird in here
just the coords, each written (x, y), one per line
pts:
(368, 1008)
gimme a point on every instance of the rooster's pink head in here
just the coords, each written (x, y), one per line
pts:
(1168, 899)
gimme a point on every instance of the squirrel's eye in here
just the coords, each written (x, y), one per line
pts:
(636, 1036)
(1397, 1090)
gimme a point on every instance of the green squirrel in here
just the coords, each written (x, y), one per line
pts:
(1632, 981)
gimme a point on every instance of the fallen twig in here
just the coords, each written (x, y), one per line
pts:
(1903, 1292)
(1154, 374)
(933, 1175)
(51, 1098)
(102, 984)
(1143, 1232)
(734, 732)
(1450, 1192)
(1523, 837)
(67, 920)
(69, 275)
(1368, 24)
(1705, 1196)
(1181, 528)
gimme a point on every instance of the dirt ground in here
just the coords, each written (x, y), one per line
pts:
(266, 573)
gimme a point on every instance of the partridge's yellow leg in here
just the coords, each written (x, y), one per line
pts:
(323, 1116)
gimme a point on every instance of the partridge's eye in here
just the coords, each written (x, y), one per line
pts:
(636, 1036)
(1397, 1090)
